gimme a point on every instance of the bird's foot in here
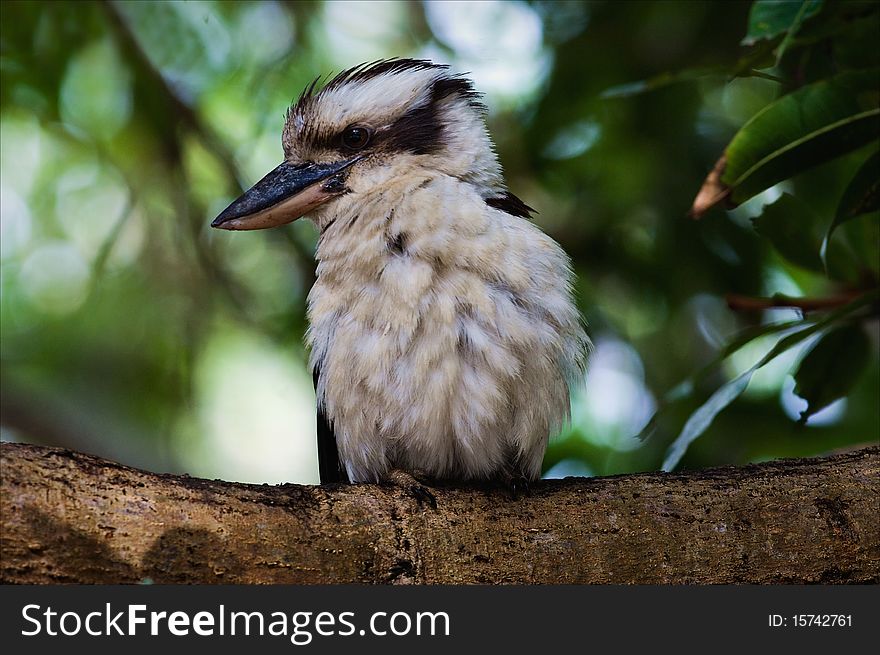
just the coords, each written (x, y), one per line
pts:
(518, 485)
(412, 483)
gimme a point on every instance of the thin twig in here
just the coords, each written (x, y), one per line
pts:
(739, 303)
(766, 76)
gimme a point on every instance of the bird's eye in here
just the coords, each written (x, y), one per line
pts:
(355, 138)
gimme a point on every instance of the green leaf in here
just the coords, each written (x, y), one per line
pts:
(807, 127)
(861, 196)
(810, 126)
(770, 18)
(786, 224)
(847, 23)
(831, 368)
(862, 234)
(852, 257)
(702, 418)
(686, 387)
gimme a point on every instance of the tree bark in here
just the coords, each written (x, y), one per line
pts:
(70, 517)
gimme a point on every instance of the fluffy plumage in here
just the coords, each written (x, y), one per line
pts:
(442, 320)
(443, 332)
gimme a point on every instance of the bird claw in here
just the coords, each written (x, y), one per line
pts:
(412, 486)
(518, 486)
(423, 496)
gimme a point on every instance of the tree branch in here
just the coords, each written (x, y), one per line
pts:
(740, 303)
(69, 517)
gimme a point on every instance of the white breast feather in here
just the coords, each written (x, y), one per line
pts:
(452, 356)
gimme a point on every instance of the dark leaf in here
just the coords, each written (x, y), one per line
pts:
(787, 225)
(862, 234)
(685, 388)
(831, 368)
(846, 22)
(702, 418)
(862, 195)
(770, 18)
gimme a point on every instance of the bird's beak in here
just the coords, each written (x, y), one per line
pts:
(284, 195)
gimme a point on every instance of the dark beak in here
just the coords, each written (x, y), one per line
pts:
(284, 195)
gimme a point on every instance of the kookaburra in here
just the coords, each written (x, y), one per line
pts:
(443, 332)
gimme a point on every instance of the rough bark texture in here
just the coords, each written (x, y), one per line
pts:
(69, 517)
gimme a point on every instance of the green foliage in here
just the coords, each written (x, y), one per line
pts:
(770, 18)
(862, 194)
(821, 383)
(832, 367)
(812, 123)
(785, 223)
(802, 129)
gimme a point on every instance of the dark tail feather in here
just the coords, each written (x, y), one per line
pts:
(329, 466)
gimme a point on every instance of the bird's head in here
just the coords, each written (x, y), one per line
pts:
(365, 128)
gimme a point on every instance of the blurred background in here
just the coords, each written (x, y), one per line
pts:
(132, 330)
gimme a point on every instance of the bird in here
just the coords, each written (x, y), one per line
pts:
(444, 336)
